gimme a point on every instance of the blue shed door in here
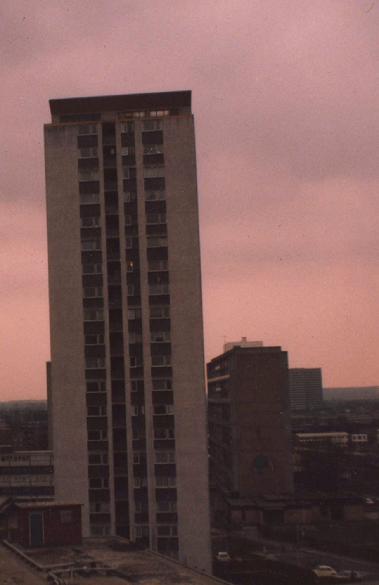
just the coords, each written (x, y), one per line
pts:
(36, 528)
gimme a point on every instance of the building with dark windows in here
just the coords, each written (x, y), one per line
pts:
(305, 388)
(249, 431)
(126, 380)
(26, 474)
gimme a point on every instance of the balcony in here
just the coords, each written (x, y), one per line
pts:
(156, 242)
(158, 289)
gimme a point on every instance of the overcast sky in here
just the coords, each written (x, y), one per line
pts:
(285, 96)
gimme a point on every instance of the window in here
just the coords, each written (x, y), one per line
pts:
(164, 433)
(96, 411)
(142, 531)
(137, 385)
(159, 113)
(93, 315)
(155, 195)
(159, 312)
(153, 172)
(137, 410)
(134, 314)
(155, 183)
(165, 481)
(100, 530)
(170, 530)
(164, 409)
(99, 435)
(90, 245)
(128, 151)
(99, 507)
(130, 196)
(152, 137)
(92, 292)
(92, 268)
(156, 242)
(152, 125)
(158, 289)
(136, 361)
(88, 129)
(95, 363)
(87, 174)
(140, 482)
(160, 336)
(162, 384)
(165, 457)
(161, 360)
(88, 152)
(153, 149)
(87, 142)
(155, 218)
(89, 197)
(94, 339)
(89, 222)
(166, 506)
(127, 127)
(89, 187)
(98, 458)
(96, 386)
(128, 220)
(158, 265)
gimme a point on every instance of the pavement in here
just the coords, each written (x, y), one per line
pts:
(13, 571)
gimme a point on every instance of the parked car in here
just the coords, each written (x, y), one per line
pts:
(324, 571)
(223, 556)
(351, 575)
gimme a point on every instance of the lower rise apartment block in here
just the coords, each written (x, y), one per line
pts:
(249, 426)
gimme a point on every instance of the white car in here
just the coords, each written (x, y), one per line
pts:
(324, 571)
(223, 556)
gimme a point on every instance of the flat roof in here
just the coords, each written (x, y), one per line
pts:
(257, 350)
(135, 566)
(97, 104)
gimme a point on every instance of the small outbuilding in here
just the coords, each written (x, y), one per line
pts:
(44, 523)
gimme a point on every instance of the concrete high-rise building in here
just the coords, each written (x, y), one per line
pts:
(126, 378)
(249, 426)
(305, 388)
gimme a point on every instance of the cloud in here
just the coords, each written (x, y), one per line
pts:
(285, 99)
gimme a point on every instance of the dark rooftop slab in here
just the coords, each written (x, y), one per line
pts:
(119, 103)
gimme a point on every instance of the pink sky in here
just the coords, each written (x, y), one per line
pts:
(285, 94)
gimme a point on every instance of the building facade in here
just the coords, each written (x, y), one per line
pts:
(126, 378)
(26, 474)
(305, 388)
(249, 425)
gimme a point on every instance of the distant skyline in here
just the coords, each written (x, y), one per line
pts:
(285, 96)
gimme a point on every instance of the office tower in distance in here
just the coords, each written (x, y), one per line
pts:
(305, 388)
(126, 380)
(249, 426)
